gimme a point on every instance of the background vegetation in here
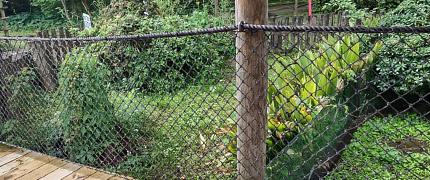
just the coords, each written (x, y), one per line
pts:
(172, 101)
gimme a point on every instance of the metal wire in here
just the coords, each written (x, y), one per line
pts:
(341, 102)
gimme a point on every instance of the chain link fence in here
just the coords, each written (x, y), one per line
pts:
(351, 103)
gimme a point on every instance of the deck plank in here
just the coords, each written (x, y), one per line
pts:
(18, 162)
(12, 156)
(80, 174)
(26, 165)
(43, 170)
(5, 150)
(26, 168)
(62, 172)
(99, 176)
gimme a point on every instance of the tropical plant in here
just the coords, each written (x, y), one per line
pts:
(307, 83)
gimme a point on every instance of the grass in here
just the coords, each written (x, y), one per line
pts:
(185, 143)
(25, 33)
(388, 148)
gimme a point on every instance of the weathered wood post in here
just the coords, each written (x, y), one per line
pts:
(251, 82)
(4, 18)
(43, 63)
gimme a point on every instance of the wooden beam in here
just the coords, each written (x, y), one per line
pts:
(251, 82)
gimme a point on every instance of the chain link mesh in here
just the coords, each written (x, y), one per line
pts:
(341, 103)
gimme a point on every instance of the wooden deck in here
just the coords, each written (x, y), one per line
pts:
(26, 165)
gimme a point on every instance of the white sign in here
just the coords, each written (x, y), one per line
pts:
(87, 21)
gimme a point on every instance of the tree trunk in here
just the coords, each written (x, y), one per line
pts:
(296, 4)
(66, 13)
(74, 8)
(216, 7)
(86, 6)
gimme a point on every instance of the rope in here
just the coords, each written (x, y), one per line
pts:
(337, 29)
(130, 37)
(241, 27)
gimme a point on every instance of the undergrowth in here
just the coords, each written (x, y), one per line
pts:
(388, 148)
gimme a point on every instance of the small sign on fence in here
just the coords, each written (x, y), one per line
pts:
(87, 21)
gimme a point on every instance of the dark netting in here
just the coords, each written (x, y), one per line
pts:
(346, 105)
(340, 102)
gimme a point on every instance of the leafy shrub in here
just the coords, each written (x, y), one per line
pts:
(87, 116)
(31, 112)
(408, 13)
(404, 63)
(356, 5)
(168, 64)
(33, 21)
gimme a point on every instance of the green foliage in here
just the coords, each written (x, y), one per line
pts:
(160, 65)
(185, 143)
(404, 64)
(176, 7)
(377, 4)
(373, 153)
(31, 109)
(303, 156)
(50, 8)
(355, 5)
(87, 115)
(33, 21)
(339, 5)
(75, 8)
(345, 6)
(306, 85)
(408, 13)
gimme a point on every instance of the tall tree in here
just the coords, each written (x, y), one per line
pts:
(296, 3)
(66, 13)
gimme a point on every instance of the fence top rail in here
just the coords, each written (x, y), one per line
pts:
(130, 37)
(240, 27)
(337, 29)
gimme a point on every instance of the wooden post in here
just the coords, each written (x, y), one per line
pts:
(55, 48)
(346, 19)
(287, 34)
(279, 42)
(315, 34)
(43, 63)
(339, 19)
(4, 18)
(294, 34)
(251, 82)
(307, 36)
(300, 38)
(272, 21)
(62, 44)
